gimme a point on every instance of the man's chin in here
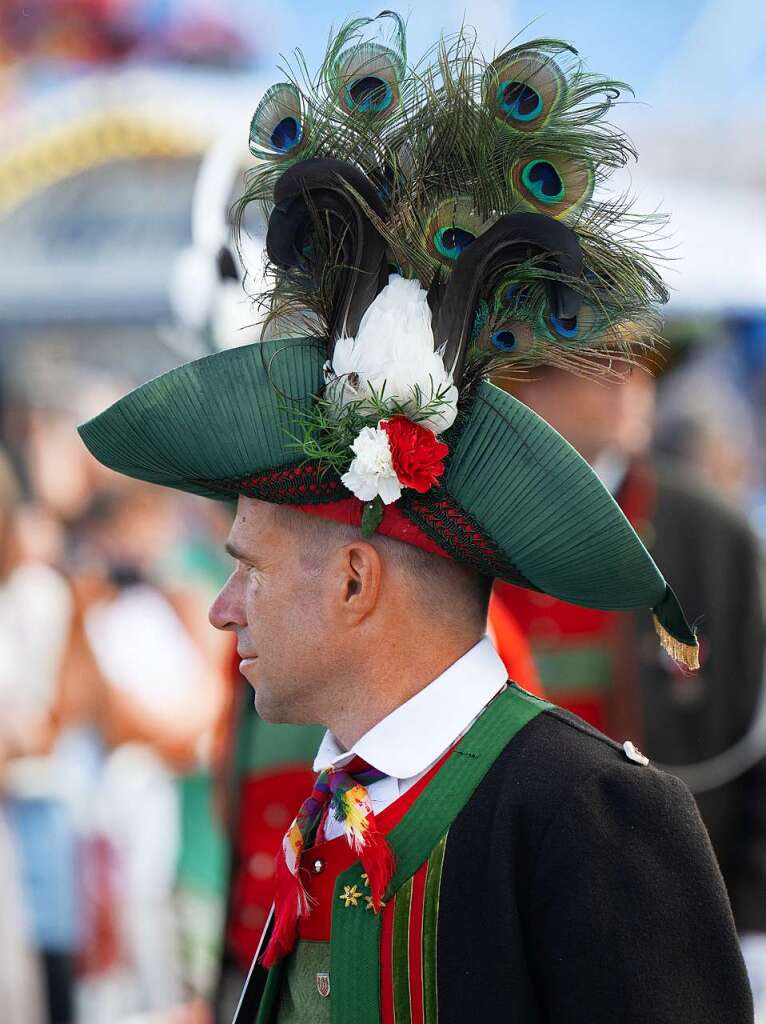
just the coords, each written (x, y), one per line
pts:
(264, 707)
(274, 710)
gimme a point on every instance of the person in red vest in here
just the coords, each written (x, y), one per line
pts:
(602, 665)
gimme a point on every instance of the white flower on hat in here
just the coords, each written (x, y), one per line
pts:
(393, 356)
(372, 473)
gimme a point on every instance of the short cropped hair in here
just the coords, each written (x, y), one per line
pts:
(452, 590)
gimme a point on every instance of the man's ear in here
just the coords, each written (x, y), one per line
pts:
(362, 577)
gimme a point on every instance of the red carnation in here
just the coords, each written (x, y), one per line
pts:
(415, 452)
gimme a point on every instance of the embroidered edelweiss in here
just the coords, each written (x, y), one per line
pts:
(366, 879)
(351, 895)
(371, 904)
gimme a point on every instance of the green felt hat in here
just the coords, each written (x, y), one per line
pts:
(516, 501)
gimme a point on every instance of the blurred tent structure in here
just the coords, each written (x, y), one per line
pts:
(97, 185)
(715, 260)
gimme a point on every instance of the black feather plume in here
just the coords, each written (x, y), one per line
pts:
(317, 215)
(518, 240)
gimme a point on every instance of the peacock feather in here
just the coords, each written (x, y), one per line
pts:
(484, 179)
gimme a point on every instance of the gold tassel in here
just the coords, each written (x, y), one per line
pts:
(685, 654)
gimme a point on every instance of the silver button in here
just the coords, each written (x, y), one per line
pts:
(634, 754)
(318, 866)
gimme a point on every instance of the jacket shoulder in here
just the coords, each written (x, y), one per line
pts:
(557, 754)
(559, 735)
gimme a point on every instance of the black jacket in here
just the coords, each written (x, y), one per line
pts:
(578, 887)
(712, 559)
(592, 880)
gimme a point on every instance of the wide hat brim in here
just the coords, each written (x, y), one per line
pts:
(516, 501)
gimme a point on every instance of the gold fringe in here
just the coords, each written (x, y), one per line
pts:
(685, 654)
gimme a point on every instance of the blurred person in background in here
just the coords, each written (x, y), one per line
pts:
(605, 667)
(94, 740)
(121, 551)
(158, 689)
(711, 412)
(35, 616)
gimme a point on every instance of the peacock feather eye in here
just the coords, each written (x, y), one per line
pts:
(519, 101)
(511, 296)
(565, 327)
(450, 241)
(277, 128)
(368, 78)
(452, 228)
(286, 134)
(369, 94)
(509, 337)
(579, 330)
(555, 184)
(504, 340)
(523, 89)
(498, 327)
(542, 180)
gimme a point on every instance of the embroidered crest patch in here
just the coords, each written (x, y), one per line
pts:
(323, 983)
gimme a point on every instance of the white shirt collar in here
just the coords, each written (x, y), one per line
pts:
(418, 732)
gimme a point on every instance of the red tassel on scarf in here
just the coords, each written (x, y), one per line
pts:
(378, 862)
(289, 899)
(352, 806)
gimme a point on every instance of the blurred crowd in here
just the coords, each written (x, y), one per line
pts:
(141, 799)
(111, 687)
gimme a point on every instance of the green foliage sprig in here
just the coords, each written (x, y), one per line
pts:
(329, 427)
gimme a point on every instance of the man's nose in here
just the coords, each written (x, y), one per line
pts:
(227, 611)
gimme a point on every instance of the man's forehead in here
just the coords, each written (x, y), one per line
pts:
(253, 519)
(253, 510)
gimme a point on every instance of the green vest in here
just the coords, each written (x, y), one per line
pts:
(418, 839)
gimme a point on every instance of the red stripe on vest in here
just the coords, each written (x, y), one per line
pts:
(416, 944)
(387, 964)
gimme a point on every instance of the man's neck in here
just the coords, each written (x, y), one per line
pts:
(393, 684)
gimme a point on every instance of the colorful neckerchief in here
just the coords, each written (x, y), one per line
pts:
(343, 792)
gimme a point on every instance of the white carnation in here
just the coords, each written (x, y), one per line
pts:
(372, 472)
(393, 353)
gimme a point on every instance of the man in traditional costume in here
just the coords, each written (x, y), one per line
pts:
(467, 849)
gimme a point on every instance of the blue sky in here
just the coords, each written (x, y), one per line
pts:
(698, 68)
(710, 54)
